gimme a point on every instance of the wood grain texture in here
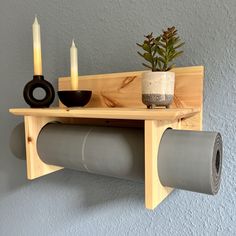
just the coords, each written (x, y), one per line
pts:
(124, 90)
(116, 101)
(109, 113)
(155, 192)
(35, 167)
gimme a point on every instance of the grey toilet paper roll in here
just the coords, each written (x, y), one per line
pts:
(190, 160)
(111, 151)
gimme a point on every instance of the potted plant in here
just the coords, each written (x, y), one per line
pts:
(159, 52)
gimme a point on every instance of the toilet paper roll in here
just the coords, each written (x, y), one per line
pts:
(111, 151)
(190, 160)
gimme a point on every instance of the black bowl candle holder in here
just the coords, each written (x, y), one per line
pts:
(39, 82)
(74, 98)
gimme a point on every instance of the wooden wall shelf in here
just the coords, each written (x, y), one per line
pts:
(116, 101)
(110, 113)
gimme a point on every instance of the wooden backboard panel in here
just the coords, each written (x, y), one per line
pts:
(124, 90)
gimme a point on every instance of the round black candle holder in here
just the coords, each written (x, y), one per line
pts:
(75, 98)
(39, 82)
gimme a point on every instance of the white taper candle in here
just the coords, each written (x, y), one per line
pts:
(37, 48)
(74, 66)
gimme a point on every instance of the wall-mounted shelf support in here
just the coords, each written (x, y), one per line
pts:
(114, 96)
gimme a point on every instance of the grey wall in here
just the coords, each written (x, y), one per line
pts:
(73, 203)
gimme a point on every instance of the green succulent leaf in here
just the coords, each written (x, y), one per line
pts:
(180, 45)
(140, 45)
(140, 54)
(148, 57)
(160, 51)
(146, 47)
(161, 60)
(158, 63)
(146, 65)
(170, 67)
(177, 54)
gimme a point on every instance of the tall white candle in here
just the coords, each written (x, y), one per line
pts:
(37, 48)
(74, 66)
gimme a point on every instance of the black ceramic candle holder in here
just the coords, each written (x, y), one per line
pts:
(74, 98)
(39, 82)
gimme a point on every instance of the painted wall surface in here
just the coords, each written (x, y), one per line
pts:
(73, 203)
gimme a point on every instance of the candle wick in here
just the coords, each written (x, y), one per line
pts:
(36, 19)
(73, 43)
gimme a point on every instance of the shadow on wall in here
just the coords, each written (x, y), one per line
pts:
(95, 190)
(17, 141)
(92, 190)
(13, 170)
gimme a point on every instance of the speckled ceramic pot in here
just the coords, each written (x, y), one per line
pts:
(158, 88)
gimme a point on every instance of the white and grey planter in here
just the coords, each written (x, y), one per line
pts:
(158, 88)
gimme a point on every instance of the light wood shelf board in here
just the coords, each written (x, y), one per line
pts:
(109, 113)
(116, 101)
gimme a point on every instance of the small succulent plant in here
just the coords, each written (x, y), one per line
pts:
(160, 51)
